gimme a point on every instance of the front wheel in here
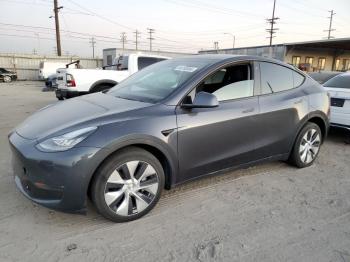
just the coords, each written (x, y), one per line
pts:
(307, 146)
(128, 185)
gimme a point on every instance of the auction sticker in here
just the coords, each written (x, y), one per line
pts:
(185, 68)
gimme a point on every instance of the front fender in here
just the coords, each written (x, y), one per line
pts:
(139, 140)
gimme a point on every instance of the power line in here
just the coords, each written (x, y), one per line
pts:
(150, 32)
(100, 16)
(208, 7)
(115, 41)
(93, 42)
(143, 43)
(330, 29)
(272, 22)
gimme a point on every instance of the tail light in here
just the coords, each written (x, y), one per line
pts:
(70, 80)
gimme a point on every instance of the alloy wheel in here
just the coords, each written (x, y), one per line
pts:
(131, 188)
(7, 79)
(309, 146)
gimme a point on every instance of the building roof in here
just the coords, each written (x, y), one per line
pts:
(338, 43)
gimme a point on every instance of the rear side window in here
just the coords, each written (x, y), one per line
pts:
(146, 61)
(277, 78)
(298, 79)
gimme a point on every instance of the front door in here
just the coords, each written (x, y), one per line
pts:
(212, 139)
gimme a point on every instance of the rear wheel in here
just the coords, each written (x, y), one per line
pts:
(100, 88)
(307, 146)
(128, 185)
(7, 79)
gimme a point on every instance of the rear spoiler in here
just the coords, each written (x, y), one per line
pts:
(72, 63)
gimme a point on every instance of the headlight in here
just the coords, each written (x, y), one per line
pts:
(66, 141)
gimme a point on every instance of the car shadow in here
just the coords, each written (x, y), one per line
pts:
(339, 135)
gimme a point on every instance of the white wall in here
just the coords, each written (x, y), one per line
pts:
(27, 66)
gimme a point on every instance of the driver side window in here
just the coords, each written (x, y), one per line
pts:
(229, 83)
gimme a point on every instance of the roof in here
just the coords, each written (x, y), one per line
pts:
(225, 58)
(338, 43)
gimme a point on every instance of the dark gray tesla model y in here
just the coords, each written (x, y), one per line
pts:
(172, 122)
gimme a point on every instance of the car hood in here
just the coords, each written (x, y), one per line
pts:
(62, 115)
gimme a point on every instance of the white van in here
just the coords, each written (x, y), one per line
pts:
(48, 68)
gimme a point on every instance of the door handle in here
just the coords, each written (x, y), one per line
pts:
(298, 101)
(249, 110)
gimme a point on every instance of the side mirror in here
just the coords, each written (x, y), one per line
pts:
(203, 100)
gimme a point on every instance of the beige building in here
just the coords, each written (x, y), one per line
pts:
(327, 55)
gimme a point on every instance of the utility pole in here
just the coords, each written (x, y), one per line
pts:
(330, 29)
(216, 46)
(93, 42)
(272, 22)
(234, 39)
(150, 32)
(123, 39)
(137, 35)
(58, 36)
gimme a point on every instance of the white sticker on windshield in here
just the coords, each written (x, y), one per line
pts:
(186, 68)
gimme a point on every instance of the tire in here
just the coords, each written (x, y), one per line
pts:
(100, 88)
(7, 79)
(127, 185)
(307, 146)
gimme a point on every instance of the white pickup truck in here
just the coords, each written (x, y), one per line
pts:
(74, 81)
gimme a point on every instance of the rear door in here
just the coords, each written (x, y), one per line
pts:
(212, 139)
(283, 103)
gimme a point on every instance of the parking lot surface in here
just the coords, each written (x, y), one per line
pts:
(270, 212)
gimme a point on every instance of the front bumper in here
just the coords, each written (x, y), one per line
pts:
(66, 93)
(56, 180)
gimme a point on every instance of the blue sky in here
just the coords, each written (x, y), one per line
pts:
(180, 25)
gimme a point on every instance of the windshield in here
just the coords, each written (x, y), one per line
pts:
(157, 81)
(340, 81)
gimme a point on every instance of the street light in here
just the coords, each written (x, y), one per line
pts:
(234, 39)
